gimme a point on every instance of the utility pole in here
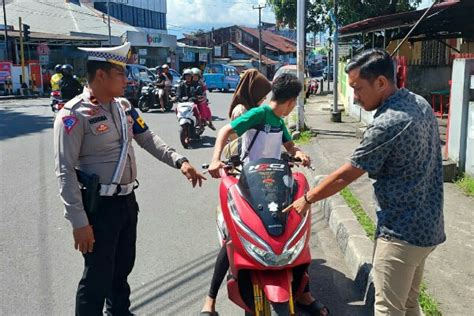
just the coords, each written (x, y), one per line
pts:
(108, 22)
(259, 8)
(7, 52)
(22, 56)
(335, 114)
(300, 50)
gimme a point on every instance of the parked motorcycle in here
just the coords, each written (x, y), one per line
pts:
(190, 127)
(313, 86)
(150, 98)
(267, 249)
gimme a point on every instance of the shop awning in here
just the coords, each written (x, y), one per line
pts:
(445, 20)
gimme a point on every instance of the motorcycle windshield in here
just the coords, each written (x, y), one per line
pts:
(268, 186)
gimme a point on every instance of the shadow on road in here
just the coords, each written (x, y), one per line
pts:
(15, 124)
(171, 292)
(331, 286)
(204, 142)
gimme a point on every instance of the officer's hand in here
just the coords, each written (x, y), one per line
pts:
(214, 168)
(84, 239)
(189, 172)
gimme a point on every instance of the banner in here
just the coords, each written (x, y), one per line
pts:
(5, 70)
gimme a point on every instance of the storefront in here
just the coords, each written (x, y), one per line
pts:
(152, 49)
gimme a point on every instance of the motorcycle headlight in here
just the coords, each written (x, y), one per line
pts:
(269, 258)
(266, 256)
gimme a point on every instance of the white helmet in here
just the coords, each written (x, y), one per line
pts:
(196, 71)
(187, 72)
(165, 66)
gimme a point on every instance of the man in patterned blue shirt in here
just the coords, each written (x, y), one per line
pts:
(401, 151)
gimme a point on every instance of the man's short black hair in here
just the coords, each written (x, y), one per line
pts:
(286, 87)
(373, 63)
(93, 65)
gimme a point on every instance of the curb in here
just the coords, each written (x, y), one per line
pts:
(355, 246)
(21, 97)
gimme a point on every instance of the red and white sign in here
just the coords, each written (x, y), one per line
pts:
(5, 70)
(43, 49)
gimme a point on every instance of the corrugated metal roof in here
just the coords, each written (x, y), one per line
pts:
(253, 53)
(281, 43)
(59, 17)
(393, 20)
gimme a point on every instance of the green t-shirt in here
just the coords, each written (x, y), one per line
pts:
(272, 133)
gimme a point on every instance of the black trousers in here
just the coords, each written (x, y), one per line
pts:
(106, 269)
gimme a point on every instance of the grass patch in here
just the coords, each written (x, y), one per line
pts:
(362, 217)
(466, 183)
(305, 138)
(427, 302)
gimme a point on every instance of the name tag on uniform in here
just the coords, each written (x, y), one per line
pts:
(98, 119)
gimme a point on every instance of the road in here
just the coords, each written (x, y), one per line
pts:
(177, 240)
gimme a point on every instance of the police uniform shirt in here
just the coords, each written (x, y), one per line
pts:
(88, 136)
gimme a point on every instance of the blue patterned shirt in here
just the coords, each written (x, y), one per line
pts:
(401, 151)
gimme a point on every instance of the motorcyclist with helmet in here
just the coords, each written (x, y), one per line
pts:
(69, 85)
(201, 98)
(56, 78)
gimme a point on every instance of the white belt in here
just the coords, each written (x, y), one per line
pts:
(114, 189)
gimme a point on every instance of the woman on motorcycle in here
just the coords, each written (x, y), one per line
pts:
(250, 93)
(201, 98)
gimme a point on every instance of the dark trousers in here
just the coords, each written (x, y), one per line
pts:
(106, 269)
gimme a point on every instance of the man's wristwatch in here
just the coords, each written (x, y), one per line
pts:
(180, 161)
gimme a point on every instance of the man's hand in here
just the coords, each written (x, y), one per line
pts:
(215, 167)
(304, 158)
(83, 239)
(300, 206)
(189, 172)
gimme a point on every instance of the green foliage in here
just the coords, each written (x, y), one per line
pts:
(466, 183)
(305, 138)
(364, 220)
(350, 11)
(428, 303)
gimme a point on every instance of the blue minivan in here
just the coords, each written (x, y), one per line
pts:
(222, 77)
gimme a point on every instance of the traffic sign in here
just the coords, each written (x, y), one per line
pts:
(43, 49)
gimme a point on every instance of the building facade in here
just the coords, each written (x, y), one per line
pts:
(147, 14)
(239, 43)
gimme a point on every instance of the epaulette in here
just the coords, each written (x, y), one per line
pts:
(74, 103)
(124, 103)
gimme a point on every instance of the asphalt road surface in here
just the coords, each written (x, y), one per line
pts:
(177, 239)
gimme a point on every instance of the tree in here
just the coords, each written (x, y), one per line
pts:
(350, 11)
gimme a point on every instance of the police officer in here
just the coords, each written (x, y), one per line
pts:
(92, 140)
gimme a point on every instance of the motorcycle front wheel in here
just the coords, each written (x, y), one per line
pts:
(184, 134)
(143, 105)
(274, 309)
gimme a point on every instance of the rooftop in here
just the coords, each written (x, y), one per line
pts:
(61, 17)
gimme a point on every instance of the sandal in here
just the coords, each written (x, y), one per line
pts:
(314, 308)
(209, 313)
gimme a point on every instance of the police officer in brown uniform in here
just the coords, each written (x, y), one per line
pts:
(96, 170)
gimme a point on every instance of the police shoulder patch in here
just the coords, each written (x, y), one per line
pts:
(69, 122)
(139, 125)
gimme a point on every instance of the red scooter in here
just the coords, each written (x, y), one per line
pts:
(268, 250)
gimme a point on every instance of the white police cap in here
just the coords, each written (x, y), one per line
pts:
(116, 55)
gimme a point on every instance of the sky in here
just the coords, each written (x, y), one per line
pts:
(186, 16)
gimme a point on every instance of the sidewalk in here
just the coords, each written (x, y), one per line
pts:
(449, 272)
